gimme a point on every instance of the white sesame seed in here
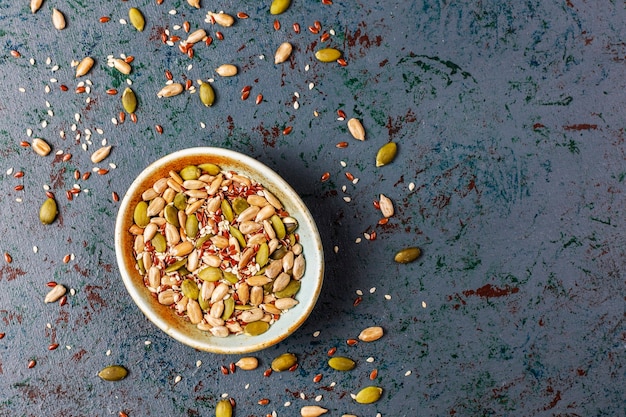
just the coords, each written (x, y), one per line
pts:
(122, 21)
(336, 249)
(167, 32)
(355, 181)
(147, 343)
(9, 171)
(129, 81)
(296, 105)
(343, 164)
(114, 120)
(62, 134)
(387, 297)
(59, 152)
(225, 395)
(316, 333)
(46, 89)
(407, 373)
(315, 113)
(108, 352)
(18, 199)
(202, 125)
(29, 132)
(50, 113)
(198, 363)
(48, 60)
(347, 199)
(48, 325)
(261, 56)
(112, 165)
(84, 146)
(296, 94)
(73, 127)
(353, 396)
(369, 360)
(357, 240)
(189, 67)
(379, 415)
(318, 398)
(176, 27)
(44, 123)
(172, 12)
(423, 304)
(100, 131)
(32, 61)
(72, 291)
(344, 188)
(177, 379)
(47, 103)
(367, 236)
(46, 187)
(311, 85)
(21, 90)
(372, 290)
(169, 43)
(35, 249)
(411, 186)
(359, 292)
(307, 67)
(302, 396)
(55, 68)
(68, 347)
(332, 32)
(332, 384)
(53, 80)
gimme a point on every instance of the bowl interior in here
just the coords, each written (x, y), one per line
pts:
(163, 316)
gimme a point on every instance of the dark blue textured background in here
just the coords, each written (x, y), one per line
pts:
(509, 120)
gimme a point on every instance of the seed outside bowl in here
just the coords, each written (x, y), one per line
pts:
(164, 317)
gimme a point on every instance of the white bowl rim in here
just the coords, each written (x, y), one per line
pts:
(311, 241)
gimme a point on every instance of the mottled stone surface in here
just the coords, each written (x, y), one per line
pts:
(509, 119)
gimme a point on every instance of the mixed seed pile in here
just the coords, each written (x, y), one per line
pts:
(219, 248)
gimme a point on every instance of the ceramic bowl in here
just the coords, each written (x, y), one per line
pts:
(165, 317)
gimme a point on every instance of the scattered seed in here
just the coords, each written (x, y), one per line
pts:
(2, 335)
(115, 197)
(267, 372)
(159, 129)
(7, 257)
(356, 129)
(287, 130)
(263, 401)
(331, 351)
(312, 411)
(325, 176)
(58, 19)
(242, 15)
(136, 18)
(352, 342)
(226, 70)
(325, 37)
(113, 373)
(259, 99)
(276, 25)
(373, 374)
(219, 35)
(32, 363)
(357, 301)
(368, 395)
(279, 6)
(84, 66)
(129, 100)
(224, 370)
(386, 154)
(15, 54)
(407, 255)
(55, 293)
(296, 27)
(104, 19)
(282, 53)
(66, 258)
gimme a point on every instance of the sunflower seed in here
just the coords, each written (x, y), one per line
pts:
(101, 154)
(55, 293)
(226, 70)
(386, 206)
(312, 411)
(84, 66)
(171, 90)
(58, 19)
(41, 147)
(282, 53)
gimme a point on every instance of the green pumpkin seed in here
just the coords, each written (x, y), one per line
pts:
(191, 226)
(341, 363)
(176, 265)
(279, 226)
(190, 289)
(290, 290)
(171, 215)
(262, 255)
(159, 242)
(279, 253)
(256, 328)
(238, 235)
(202, 240)
(140, 267)
(328, 55)
(224, 408)
(180, 201)
(182, 271)
(211, 274)
(369, 395)
(284, 362)
(207, 94)
(204, 304)
(140, 215)
(230, 277)
(407, 255)
(190, 172)
(291, 224)
(209, 168)
(386, 154)
(227, 211)
(48, 211)
(113, 373)
(136, 18)
(229, 307)
(239, 205)
(279, 6)
(129, 100)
